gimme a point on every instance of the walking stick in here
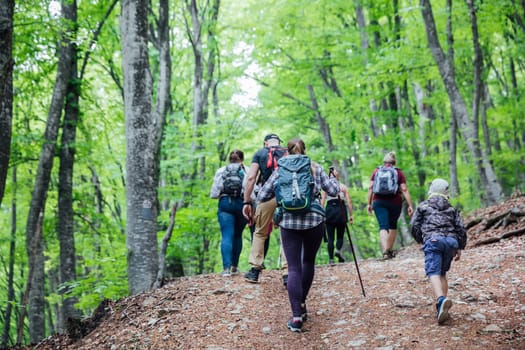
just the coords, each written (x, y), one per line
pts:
(355, 259)
(344, 213)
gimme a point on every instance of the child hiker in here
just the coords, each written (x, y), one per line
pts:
(437, 225)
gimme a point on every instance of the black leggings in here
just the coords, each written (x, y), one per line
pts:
(330, 231)
(300, 248)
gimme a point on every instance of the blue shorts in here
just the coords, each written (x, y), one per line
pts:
(387, 214)
(439, 252)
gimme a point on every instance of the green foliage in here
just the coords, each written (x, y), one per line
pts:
(271, 52)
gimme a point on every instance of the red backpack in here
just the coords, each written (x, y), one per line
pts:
(274, 154)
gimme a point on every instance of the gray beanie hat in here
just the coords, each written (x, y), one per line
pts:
(438, 186)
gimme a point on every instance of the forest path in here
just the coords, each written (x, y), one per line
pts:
(212, 312)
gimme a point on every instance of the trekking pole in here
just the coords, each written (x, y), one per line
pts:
(355, 259)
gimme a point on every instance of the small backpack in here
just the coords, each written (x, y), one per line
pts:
(385, 181)
(232, 179)
(274, 154)
(294, 188)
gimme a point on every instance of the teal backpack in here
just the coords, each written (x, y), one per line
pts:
(295, 184)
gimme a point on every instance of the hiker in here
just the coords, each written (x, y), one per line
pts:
(228, 188)
(301, 233)
(437, 225)
(252, 226)
(338, 214)
(387, 189)
(263, 164)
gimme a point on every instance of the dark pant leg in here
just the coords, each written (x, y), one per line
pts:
(330, 232)
(300, 248)
(340, 236)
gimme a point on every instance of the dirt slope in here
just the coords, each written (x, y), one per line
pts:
(210, 312)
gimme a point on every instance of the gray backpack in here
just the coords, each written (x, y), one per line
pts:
(232, 179)
(386, 181)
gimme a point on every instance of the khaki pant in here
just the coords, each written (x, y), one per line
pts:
(263, 220)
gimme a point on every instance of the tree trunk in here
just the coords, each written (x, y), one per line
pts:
(6, 88)
(492, 189)
(454, 182)
(323, 126)
(453, 167)
(65, 227)
(35, 245)
(11, 268)
(141, 160)
(162, 107)
(201, 83)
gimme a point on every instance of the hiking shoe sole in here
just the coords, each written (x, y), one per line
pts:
(443, 315)
(295, 326)
(252, 276)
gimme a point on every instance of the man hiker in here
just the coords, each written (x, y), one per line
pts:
(264, 162)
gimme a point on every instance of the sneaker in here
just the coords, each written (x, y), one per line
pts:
(285, 280)
(331, 262)
(234, 270)
(443, 305)
(252, 276)
(295, 326)
(226, 273)
(304, 313)
(339, 256)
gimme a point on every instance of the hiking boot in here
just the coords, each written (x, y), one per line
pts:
(442, 306)
(331, 262)
(252, 276)
(304, 313)
(234, 270)
(285, 280)
(388, 254)
(295, 326)
(226, 273)
(339, 256)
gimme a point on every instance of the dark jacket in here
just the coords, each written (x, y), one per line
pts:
(436, 217)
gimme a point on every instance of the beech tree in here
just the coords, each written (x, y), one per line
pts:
(468, 127)
(34, 237)
(144, 126)
(6, 88)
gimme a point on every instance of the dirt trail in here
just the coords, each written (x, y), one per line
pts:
(487, 287)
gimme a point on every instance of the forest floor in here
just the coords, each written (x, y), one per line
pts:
(211, 312)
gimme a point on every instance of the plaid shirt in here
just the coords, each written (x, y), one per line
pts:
(310, 219)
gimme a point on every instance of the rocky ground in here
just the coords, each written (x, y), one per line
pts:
(487, 287)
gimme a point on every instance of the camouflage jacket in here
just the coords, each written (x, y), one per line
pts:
(437, 217)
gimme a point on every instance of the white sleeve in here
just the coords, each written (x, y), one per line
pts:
(217, 186)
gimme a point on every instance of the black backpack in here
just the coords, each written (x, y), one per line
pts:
(385, 181)
(232, 179)
(274, 154)
(294, 188)
(336, 212)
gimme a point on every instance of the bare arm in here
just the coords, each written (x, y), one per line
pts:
(349, 206)
(404, 191)
(369, 197)
(247, 210)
